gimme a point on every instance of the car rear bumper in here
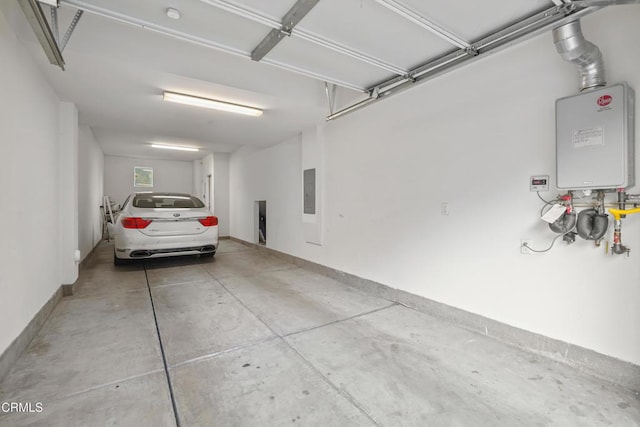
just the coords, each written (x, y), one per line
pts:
(159, 253)
(141, 247)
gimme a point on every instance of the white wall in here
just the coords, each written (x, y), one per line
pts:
(168, 175)
(68, 192)
(273, 175)
(90, 189)
(471, 138)
(207, 166)
(216, 165)
(312, 158)
(221, 192)
(197, 178)
(29, 174)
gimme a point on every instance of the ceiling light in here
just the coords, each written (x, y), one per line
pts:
(173, 13)
(174, 147)
(211, 103)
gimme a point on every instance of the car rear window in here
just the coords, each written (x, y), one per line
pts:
(166, 202)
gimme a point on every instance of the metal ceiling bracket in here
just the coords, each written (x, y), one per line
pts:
(72, 26)
(330, 90)
(298, 11)
(54, 23)
(40, 26)
(528, 27)
(472, 51)
(268, 43)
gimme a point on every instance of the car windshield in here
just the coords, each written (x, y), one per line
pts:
(166, 201)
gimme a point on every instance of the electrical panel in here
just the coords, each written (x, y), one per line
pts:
(309, 185)
(595, 139)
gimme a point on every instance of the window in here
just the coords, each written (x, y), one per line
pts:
(142, 176)
(166, 201)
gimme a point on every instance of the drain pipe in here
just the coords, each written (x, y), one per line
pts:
(573, 47)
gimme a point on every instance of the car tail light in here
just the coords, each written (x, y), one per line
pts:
(209, 221)
(134, 222)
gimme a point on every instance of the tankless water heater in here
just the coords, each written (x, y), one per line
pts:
(595, 139)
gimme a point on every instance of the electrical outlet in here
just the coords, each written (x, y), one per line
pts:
(524, 249)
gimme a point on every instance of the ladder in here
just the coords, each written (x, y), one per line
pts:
(108, 216)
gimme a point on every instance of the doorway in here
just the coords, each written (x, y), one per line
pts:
(260, 233)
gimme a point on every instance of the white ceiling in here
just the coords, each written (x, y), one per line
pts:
(116, 72)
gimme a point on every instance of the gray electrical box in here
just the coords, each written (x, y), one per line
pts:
(309, 185)
(595, 139)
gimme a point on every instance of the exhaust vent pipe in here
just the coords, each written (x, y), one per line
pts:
(140, 254)
(573, 47)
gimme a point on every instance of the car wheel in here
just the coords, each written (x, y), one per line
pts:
(119, 261)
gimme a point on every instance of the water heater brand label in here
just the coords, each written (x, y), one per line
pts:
(587, 137)
(604, 100)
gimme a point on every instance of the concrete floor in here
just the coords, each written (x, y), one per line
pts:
(251, 340)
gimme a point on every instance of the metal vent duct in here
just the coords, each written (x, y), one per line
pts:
(573, 47)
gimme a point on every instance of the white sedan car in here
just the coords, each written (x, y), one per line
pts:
(155, 225)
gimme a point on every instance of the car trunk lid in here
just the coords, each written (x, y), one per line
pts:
(173, 222)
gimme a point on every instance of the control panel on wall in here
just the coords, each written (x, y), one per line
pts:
(539, 183)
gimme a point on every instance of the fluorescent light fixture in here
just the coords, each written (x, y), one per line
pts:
(197, 101)
(174, 147)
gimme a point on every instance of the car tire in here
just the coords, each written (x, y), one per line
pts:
(119, 261)
(208, 255)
